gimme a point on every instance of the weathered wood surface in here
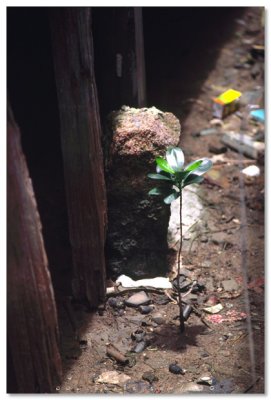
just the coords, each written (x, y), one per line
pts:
(81, 148)
(32, 329)
(119, 57)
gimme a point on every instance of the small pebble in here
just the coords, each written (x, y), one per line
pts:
(158, 318)
(138, 299)
(150, 377)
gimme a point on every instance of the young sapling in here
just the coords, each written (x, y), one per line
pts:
(174, 177)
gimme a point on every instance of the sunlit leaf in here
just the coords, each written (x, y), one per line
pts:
(175, 158)
(200, 166)
(159, 177)
(163, 164)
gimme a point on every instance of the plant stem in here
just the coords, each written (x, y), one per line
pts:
(179, 265)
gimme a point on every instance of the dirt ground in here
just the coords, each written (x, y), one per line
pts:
(227, 244)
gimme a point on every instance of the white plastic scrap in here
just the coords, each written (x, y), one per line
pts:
(252, 170)
(158, 282)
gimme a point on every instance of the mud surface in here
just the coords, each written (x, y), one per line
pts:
(223, 251)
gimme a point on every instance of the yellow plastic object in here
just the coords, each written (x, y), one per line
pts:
(226, 103)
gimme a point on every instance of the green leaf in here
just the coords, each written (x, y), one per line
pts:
(159, 177)
(200, 166)
(163, 164)
(173, 196)
(156, 191)
(175, 158)
(193, 165)
(181, 176)
(192, 178)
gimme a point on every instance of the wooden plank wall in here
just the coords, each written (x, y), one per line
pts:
(81, 148)
(32, 331)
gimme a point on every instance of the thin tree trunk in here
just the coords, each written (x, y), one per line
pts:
(179, 265)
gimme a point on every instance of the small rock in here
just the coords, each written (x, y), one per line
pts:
(209, 284)
(116, 303)
(145, 309)
(162, 300)
(217, 149)
(138, 299)
(176, 369)
(216, 122)
(229, 285)
(150, 377)
(204, 354)
(158, 318)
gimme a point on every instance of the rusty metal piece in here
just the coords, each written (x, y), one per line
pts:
(113, 352)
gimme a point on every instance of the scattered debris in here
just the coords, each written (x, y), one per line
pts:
(184, 283)
(245, 144)
(187, 311)
(138, 387)
(211, 301)
(114, 353)
(140, 346)
(217, 149)
(226, 103)
(158, 282)
(216, 122)
(230, 285)
(230, 316)
(251, 171)
(145, 309)
(138, 335)
(206, 132)
(176, 369)
(113, 378)
(214, 309)
(138, 299)
(158, 318)
(150, 377)
(207, 380)
(116, 303)
(258, 115)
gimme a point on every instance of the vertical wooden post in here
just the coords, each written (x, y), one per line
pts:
(32, 330)
(81, 149)
(119, 57)
(140, 58)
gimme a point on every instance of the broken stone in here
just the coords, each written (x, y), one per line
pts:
(138, 299)
(230, 285)
(207, 380)
(137, 223)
